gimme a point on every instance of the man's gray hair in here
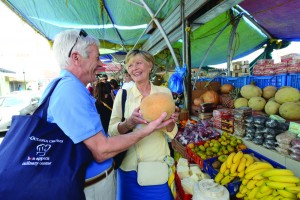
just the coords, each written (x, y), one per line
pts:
(64, 41)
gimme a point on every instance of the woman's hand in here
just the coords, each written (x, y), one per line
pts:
(136, 118)
(175, 115)
(170, 123)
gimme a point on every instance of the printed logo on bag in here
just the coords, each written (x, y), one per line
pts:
(42, 148)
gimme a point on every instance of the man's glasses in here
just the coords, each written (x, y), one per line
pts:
(81, 33)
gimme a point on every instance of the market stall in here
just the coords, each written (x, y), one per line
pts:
(227, 119)
(241, 118)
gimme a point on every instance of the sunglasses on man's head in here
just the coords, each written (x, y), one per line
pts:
(81, 33)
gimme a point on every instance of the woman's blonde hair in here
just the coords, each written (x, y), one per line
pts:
(147, 56)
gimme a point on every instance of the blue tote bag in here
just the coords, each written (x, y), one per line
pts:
(38, 161)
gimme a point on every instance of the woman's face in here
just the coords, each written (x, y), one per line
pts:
(139, 69)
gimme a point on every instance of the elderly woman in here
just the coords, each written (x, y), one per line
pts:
(152, 148)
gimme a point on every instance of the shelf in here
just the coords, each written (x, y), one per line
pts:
(277, 157)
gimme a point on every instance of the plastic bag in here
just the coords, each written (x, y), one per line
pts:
(295, 142)
(249, 136)
(175, 82)
(269, 136)
(285, 137)
(295, 150)
(268, 145)
(295, 156)
(270, 141)
(283, 146)
(249, 125)
(251, 130)
(249, 119)
(259, 120)
(258, 141)
(283, 126)
(271, 123)
(282, 151)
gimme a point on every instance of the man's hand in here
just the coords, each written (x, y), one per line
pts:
(158, 123)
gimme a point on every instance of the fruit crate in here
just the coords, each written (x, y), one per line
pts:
(237, 82)
(276, 80)
(234, 186)
(293, 80)
(207, 79)
(193, 157)
(181, 195)
(177, 146)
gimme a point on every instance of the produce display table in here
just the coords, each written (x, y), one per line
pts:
(274, 155)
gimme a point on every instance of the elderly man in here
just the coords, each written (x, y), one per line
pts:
(72, 108)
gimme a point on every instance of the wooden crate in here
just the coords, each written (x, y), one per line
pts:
(177, 146)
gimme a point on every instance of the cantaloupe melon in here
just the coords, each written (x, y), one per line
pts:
(272, 107)
(240, 102)
(257, 103)
(287, 94)
(269, 92)
(249, 91)
(290, 111)
(155, 104)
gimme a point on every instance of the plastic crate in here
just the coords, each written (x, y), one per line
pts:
(234, 186)
(293, 80)
(277, 80)
(181, 195)
(204, 79)
(237, 82)
(193, 157)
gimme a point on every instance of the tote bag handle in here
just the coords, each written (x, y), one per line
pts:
(41, 111)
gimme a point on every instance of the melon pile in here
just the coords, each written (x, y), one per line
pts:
(284, 101)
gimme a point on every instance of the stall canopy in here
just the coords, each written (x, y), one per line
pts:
(121, 25)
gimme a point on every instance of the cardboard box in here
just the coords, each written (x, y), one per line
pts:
(201, 89)
(214, 85)
(205, 115)
(184, 114)
(195, 110)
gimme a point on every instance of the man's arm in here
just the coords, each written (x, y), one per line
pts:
(103, 148)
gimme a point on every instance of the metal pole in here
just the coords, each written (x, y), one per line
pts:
(189, 68)
(184, 56)
(207, 52)
(24, 80)
(162, 32)
(149, 22)
(231, 41)
(183, 25)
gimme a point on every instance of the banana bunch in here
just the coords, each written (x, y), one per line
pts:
(262, 181)
(283, 182)
(234, 166)
(253, 180)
